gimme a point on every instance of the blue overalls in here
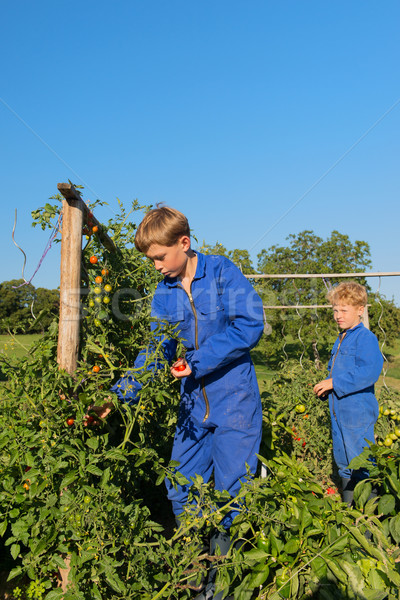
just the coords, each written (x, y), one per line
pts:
(220, 416)
(357, 362)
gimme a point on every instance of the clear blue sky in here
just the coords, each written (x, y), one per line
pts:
(256, 118)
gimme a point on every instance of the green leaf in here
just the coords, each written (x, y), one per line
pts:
(94, 470)
(68, 479)
(362, 492)
(15, 549)
(394, 528)
(292, 546)
(3, 527)
(14, 573)
(93, 443)
(386, 504)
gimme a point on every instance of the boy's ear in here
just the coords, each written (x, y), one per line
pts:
(185, 243)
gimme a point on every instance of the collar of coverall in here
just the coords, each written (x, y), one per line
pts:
(200, 271)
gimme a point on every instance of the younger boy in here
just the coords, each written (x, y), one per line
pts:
(220, 318)
(355, 365)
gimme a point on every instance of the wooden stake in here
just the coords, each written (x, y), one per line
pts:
(70, 285)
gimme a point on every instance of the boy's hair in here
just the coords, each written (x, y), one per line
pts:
(163, 226)
(348, 292)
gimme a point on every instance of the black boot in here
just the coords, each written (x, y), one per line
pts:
(347, 490)
(222, 541)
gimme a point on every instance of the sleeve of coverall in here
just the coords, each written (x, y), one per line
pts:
(127, 387)
(363, 372)
(244, 308)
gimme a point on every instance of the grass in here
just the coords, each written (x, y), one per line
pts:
(17, 346)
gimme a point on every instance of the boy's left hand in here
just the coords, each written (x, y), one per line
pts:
(323, 386)
(180, 369)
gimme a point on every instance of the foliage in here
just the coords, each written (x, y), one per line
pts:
(309, 253)
(241, 258)
(25, 308)
(85, 495)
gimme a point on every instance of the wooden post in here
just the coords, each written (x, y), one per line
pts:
(75, 214)
(70, 284)
(365, 317)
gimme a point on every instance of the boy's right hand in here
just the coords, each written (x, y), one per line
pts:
(322, 388)
(180, 369)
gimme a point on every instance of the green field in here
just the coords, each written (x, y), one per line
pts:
(17, 346)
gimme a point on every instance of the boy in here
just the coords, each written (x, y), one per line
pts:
(355, 365)
(220, 318)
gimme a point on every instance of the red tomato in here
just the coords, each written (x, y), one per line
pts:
(93, 259)
(180, 368)
(95, 229)
(96, 369)
(70, 421)
(98, 279)
(105, 272)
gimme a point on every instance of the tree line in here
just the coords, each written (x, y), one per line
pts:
(26, 309)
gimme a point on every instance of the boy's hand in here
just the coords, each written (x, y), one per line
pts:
(180, 369)
(101, 411)
(324, 386)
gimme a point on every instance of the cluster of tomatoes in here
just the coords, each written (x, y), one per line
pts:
(99, 294)
(90, 228)
(394, 434)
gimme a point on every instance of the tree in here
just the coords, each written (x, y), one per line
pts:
(24, 307)
(241, 258)
(310, 332)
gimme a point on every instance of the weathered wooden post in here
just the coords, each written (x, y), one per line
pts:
(70, 277)
(75, 214)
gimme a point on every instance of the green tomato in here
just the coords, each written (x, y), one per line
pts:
(97, 322)
(97, 299)
(283, 585)
(87, 499)
(263, 542)
(300, 408)
(107, 287)
(91, 303)
(106, 299)
(97, 290)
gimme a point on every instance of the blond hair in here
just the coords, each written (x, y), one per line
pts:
(348, 292)
(163, 226)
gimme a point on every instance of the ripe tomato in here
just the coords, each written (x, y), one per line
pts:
(107, 287)
(300, 408)
(98, 279)
(95, 229)
(93, 259)
(105, 272)
(70, 421)
(180, 368)
(96, 369)
(26, 486)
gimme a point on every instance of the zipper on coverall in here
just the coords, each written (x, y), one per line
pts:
(331, 369)
(196, 343)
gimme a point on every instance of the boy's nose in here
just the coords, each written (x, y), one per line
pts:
(157, 265)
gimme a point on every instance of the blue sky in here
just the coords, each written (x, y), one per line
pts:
(257, 119)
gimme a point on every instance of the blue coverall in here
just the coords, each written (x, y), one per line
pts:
(220, 416)
(357, 362)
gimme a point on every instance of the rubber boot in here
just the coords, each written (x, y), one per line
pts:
(347, 490)
(221, 540)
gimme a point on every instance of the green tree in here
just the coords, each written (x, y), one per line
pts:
(24, 307)
(241, 258)
(310, 332)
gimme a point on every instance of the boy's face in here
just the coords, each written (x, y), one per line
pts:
(347, 315)
(170, 260)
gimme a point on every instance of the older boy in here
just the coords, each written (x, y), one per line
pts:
(220, 318)
(355, 365)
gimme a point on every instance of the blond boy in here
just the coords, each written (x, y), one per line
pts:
(354, 367)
